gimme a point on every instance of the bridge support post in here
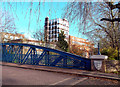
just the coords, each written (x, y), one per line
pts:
(98, 62)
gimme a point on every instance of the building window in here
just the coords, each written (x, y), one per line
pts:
(55, 26)
(55, 36)
(50, 31)
(49, 24)
(55, 22)
(46, 24)
(55, 30)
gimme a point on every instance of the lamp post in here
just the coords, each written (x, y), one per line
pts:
(99, 49)
(115, 19)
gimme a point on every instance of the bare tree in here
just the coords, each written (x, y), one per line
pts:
(7, 25)
(7, 22)
(88, 15)
(39, 35)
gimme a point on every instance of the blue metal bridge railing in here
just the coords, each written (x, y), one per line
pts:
(28, 54)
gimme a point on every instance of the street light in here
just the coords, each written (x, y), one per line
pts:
(99, 49)
(115, 19)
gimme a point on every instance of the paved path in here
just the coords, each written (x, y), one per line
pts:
(20, 76)
(67, 71)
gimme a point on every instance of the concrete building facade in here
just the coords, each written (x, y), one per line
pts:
(53, 27)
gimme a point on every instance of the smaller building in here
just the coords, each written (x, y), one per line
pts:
(80, 46)
(10, 36)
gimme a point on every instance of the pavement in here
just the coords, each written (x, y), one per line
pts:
(19, 76)
(65, 71)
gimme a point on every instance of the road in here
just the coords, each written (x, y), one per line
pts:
(19, 76)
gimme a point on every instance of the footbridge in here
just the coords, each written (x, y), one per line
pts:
(21, 53)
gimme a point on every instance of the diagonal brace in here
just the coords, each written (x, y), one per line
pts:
(56, 61)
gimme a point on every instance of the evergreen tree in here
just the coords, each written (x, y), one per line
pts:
(62, 44)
